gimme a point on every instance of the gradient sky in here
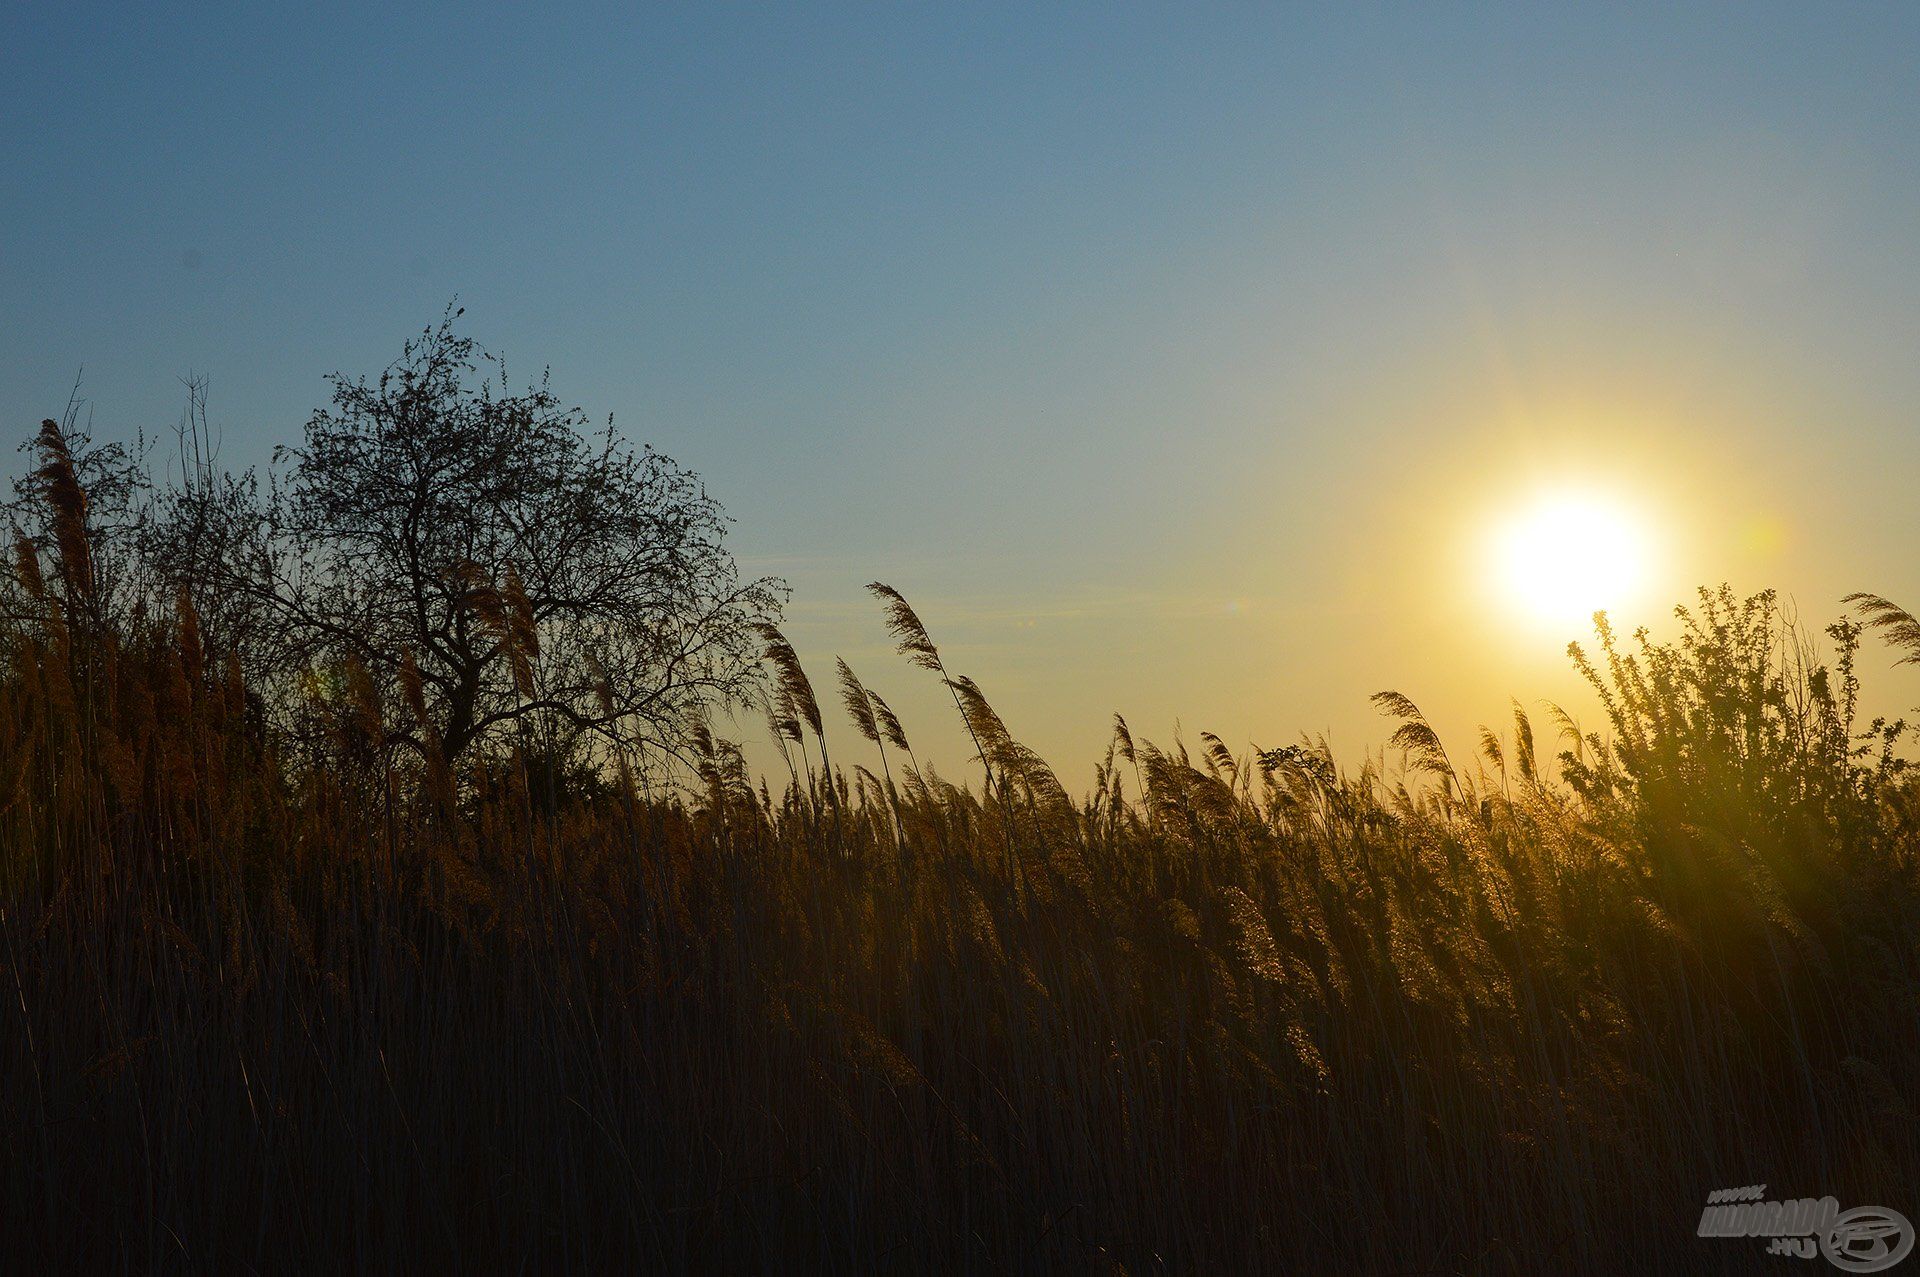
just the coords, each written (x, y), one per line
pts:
(1171, 360)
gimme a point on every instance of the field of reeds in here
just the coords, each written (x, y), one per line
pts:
(1517, 1007)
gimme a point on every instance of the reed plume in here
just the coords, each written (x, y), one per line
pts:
(1896, 624)
(1416, 738)
(908, 631)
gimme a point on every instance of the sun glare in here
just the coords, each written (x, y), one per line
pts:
(1567, 555)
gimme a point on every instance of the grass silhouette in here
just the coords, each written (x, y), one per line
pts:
(1516, 1011)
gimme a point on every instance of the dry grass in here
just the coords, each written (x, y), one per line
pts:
(1225, 1014)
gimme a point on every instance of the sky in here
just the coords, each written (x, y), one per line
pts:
(1181, 361)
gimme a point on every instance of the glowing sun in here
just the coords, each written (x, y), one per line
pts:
(1566, 555)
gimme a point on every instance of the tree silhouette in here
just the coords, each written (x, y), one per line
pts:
(489, 562)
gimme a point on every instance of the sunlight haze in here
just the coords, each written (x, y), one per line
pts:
(1175, 363)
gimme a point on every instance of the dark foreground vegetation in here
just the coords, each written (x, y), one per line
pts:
(291, 982)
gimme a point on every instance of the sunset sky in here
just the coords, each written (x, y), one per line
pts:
(1191, 363)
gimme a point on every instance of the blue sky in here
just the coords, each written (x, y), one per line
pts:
(1169, 357)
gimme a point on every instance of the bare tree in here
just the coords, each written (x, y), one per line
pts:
(491, 564)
